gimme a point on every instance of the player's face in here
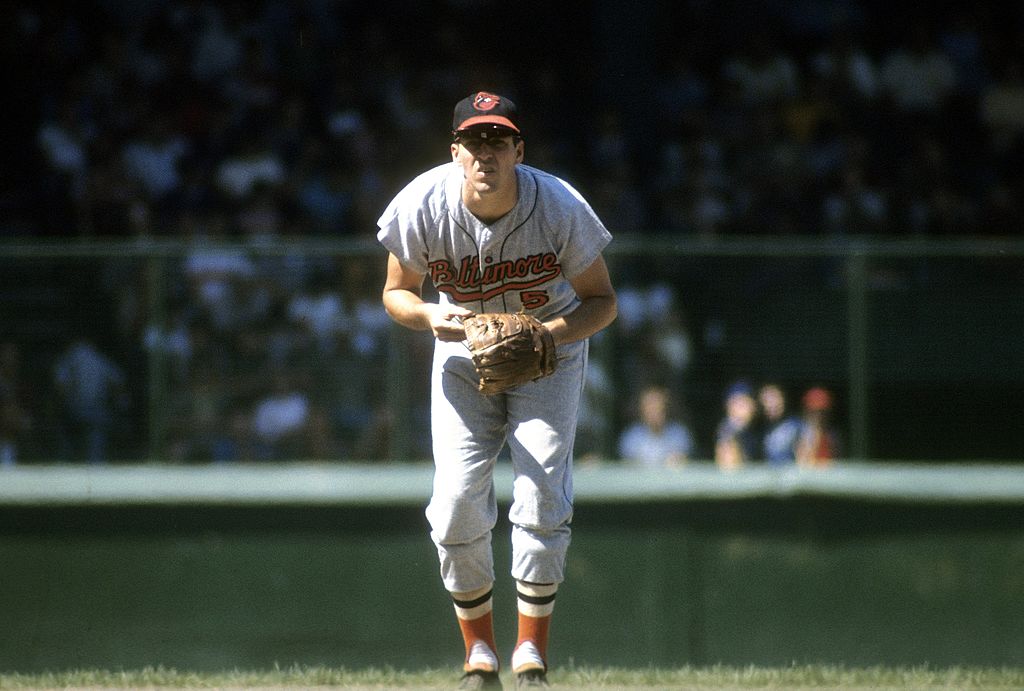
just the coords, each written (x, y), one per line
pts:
(488, 164)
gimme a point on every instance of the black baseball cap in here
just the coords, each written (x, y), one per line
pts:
(485, 112)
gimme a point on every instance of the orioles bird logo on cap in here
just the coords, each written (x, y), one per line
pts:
(485, 101)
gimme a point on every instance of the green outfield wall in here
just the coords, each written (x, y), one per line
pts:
(247, 567)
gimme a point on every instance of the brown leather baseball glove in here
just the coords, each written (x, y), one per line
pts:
(509, 349)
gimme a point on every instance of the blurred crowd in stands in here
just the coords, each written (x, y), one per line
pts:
(261, 121)
(275, 118)
(757, 427)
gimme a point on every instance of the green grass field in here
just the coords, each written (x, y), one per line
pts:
(796, 677)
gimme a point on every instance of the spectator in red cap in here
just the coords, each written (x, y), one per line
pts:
(819, 443)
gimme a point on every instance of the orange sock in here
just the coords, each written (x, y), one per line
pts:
(536, 604)
(535, 630)
(476, 622)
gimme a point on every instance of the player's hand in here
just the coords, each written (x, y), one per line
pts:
(446, 322)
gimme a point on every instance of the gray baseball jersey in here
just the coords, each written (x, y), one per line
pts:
(524, 261)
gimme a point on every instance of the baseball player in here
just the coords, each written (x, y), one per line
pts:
(495, 235)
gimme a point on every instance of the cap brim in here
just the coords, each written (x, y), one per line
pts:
(487, 120)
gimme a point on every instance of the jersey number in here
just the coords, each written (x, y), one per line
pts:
(532, 299)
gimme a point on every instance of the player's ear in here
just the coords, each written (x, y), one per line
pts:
(520, 151)
(455, 151)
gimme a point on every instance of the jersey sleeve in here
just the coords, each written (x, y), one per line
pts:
(406, 221)
(585, 235)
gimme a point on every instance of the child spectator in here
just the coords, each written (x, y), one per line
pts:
(736, 441)
(780, 431)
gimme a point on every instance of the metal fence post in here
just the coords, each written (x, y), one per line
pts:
(156, 380)
(857, 349)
